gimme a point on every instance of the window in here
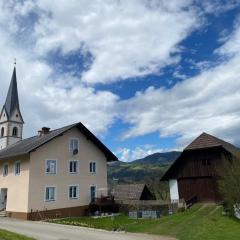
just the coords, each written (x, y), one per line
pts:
(92, 192)
(17, 168)
(73, 144)
(206, 162)
(5, 169)
(2, 132)
(73, 166)
(73, 192)
(51, 166)
(93, 167)
(15, 132)
(50, 194)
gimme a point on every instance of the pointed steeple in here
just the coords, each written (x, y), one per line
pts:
(12, 102)
(11, 121)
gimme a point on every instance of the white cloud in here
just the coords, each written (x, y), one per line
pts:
(218, 6)
(232, 42)
(126, 38)
(208, 102)
(46, 98)
(128, 155)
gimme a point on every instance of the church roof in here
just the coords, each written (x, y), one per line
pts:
(12, 101)
(30, 144)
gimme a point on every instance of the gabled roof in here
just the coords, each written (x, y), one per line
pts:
(12, 101)
(204, 141)
(207, 141)
(30, 144)
(129, 191)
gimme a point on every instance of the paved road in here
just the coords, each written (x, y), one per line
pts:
(51, 231)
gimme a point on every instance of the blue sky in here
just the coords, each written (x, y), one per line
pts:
(144, 76)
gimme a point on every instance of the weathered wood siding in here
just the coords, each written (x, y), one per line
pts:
(197, 172)
(199, 163)
(203, 189)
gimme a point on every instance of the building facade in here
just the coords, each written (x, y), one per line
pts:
(55, 173)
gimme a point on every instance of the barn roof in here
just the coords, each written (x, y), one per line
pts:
(207, 141)
(204, 141)
(128, 191)
(30, 144)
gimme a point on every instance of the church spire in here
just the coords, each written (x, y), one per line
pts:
(12, 102)
(11, 121)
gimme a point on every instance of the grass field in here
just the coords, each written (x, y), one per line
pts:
(201, 222)
(5, 235)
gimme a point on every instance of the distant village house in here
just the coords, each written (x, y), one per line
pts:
(132, 192)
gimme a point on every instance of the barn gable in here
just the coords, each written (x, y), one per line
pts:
(204, 145)
(194, 175)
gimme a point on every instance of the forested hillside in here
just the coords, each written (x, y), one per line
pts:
(146, 170)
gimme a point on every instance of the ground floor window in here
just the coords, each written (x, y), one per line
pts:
(73, 192)
(50, 194)
(93, 192)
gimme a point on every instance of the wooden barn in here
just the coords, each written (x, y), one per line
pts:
(193, 176)
(132, 192)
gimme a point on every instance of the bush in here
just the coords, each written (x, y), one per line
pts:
(229, 185)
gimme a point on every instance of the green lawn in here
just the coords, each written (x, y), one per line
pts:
(201, 222)
(6, 235)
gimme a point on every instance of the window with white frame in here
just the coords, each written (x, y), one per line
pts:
(73, 192)
(17, 168)
(50, 194)
(5, 169)
(73, 144)
(93, 167)
(73, 166)
(93, 192)
(51, 166)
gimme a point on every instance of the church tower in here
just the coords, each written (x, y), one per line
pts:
(11, 121)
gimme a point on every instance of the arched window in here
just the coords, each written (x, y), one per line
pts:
(2, 132)
(15, 132)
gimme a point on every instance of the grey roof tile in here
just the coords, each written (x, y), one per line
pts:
(128, 191)
(30, 144)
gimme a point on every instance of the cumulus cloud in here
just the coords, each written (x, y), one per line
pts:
(206, 102)
(125, 38)
(128, 155)
(46, 97)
